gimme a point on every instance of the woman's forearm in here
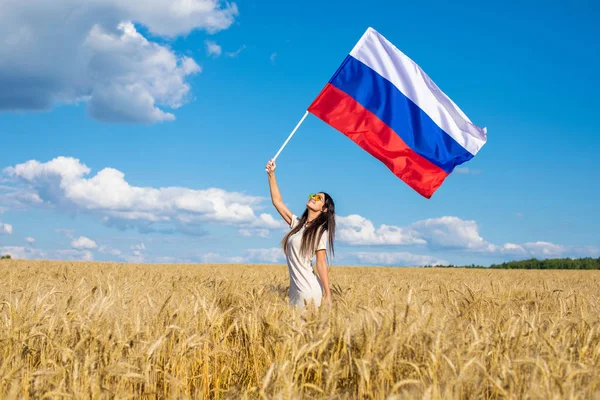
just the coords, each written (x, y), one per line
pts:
(324, 277)
(275, 194)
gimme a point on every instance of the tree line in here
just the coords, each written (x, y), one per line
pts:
(534, 263)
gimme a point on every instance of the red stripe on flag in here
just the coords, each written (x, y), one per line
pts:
(345, 114)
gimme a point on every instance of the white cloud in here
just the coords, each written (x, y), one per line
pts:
(30, 240)
(62, 183)
(82, 255)
(268, 256)
(542, 249)
(28, 253)
(135, 257)
(215, 258)
(261, 226)
(109, 250)
(98, 56)
(15, 198)
(254, 232)
(6, 229)
(212, 48)
(137, 254)
(236, 53)
(273, 57)
(358, 230)
(397, 258)
(444, 233)
(21, 252)
(451, 232)
(138, 247)
(133, 75)
(272, 255)
(83, 242)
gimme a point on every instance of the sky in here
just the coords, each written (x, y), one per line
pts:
(139, 131)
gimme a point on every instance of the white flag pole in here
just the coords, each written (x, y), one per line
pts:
(291, 134)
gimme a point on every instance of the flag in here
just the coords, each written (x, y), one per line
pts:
(386, 104)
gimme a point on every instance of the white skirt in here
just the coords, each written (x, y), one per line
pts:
(303, 299)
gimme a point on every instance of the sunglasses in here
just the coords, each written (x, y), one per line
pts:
(316, 197)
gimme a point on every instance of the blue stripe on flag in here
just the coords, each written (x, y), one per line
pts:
(391, 106)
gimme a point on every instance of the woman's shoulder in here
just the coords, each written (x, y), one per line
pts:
(295, 220)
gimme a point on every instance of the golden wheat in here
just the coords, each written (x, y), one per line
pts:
(105, 330)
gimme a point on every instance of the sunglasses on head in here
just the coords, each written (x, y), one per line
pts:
(316, 197)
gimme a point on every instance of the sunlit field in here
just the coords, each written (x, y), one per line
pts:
(104, 330)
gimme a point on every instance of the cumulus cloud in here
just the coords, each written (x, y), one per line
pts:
(109, 250)
(267, 256)
(138, 247)
(28, 253)
(212, 48)
(70, 51)
(436, 233)
(445, 233)
(134, 258)
(272, 255)
(216, 258)
(63, 183)
(262, 226)
(21, 252)
(236, 53)
(358, 230)
(83, 242)
(30, 240)
(81, 255)
(396, 258)
(254, 232)
(171, 260)
(6, 229)
(451, 232)
(550, 250)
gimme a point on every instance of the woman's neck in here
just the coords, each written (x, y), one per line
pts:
(312, 215)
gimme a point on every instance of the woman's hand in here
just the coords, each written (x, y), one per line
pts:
(327, 300)
(271, 167)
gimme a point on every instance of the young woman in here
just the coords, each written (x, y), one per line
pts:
(310, 235)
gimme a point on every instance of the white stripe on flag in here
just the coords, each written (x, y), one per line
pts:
(383, 57)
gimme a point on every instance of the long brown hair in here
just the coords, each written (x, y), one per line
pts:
(313, 233)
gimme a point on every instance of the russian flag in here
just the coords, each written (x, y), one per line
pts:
(385, 103)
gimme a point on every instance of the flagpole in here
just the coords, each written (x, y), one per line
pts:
(291, 134)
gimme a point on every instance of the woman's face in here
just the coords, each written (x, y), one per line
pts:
(316, 202)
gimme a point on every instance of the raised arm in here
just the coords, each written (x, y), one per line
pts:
(285, 213)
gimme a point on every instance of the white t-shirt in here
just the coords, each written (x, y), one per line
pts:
(304, 283)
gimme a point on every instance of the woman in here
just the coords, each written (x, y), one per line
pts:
(311, 235)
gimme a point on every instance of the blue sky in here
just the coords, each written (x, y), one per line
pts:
(136, 90)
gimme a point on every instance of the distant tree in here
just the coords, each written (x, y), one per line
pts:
(6, 257)
(553, 263)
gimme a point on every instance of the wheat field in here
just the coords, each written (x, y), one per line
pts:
(124, 331)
